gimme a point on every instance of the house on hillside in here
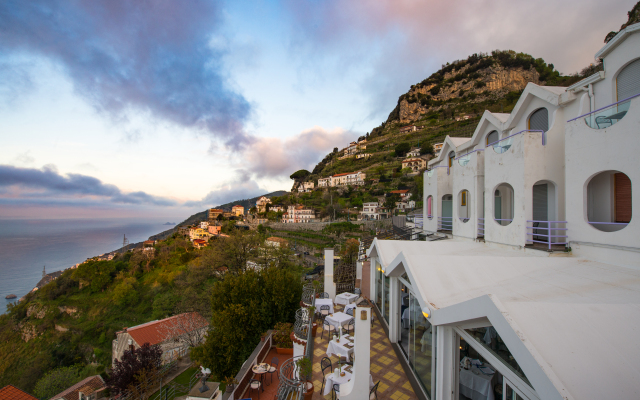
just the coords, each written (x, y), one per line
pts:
(199, 243)
(413, 153)
(214, 229)
(324, 182)
(11, 392)
(437, 148)
(237, 210)
(373, 211)
(91, 388)
(351, 149)
(298, 214)
(213, 213)
(306, 187)
(348, 178)
(404, 194)
(408, 128)
(416, 164)
(261, 203)
(175, 335)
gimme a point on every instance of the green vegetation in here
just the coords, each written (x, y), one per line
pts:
(73, 320)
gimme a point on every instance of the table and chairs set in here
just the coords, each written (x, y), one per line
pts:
(261, 370)
(341, 345)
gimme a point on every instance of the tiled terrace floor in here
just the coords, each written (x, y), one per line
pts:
(385, 367)
(270, 389)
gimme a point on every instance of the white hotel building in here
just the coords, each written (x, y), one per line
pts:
(532, 257)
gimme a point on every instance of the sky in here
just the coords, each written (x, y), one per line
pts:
(164, 108)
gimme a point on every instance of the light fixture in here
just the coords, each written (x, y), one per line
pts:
(426, 312)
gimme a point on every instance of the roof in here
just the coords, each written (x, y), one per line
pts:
(346, 173)
(11, 392)
(86, 386)
(412, 159)
(155, 332)
(237, 206)
(199, 241)
(551, 303)
(399, 191)
(458, 140)
(617, 40)
(216, 210)
(149, 242)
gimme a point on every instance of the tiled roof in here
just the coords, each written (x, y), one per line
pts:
(412, 159)
(399, 191)
(158, 331)
(346, 173)
(86, 386)
(11, 392)
(237, 206)
(200, 241)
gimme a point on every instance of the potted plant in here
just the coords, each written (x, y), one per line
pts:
(304, 372)
(282, 337)
(316, 287)
(229, 383)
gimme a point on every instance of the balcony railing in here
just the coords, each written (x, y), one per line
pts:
(433, 170)
(445, 223)
(504, 144)
(465, 158)
(291, 384)
(606, 116)
(545, 232)
(480, 227)
(418, 220)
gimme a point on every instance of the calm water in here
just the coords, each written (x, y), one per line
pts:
(28, 245)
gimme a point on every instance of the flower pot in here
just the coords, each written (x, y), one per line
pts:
(229, 389)
(281, 350)
(308, 395)
(314, 330)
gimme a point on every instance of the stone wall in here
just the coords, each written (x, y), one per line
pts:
(318, 226)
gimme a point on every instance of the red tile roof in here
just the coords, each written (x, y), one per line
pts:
(87, 386)
(11, 392)
(236, 206)
(400, 191)
(346, 173)
(199, 241)
(158, 331)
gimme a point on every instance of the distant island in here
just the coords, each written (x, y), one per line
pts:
(169, 223)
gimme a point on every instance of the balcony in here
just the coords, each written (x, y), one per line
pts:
(543, 235)
(607, 116)
(504, 144)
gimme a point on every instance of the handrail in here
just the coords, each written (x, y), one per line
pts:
(439, 166)
(605, 107)
(466, 154)
(548, 229)
(517, 133)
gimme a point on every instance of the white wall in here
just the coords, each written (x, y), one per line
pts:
(625, 53)
(471, 178)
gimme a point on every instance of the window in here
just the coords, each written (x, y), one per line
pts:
(503, 204)
(430, 207)
(628, 81)
(539, 120)
(463, 208)
(609, 201)
(492, 137)
(452, 156)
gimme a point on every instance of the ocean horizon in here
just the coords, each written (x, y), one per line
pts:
(28, 245)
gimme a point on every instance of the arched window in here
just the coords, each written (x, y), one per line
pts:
(539, 120)
(492, 137)
(452, 156)
(463, 206)
(609, 201)
(503, 204)
(430, 207)
(628, 81)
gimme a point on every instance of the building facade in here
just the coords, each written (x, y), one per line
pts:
(237, 210)
(261, 204)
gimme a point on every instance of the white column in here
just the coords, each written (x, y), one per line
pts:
(358, 269)
(445, 366)
(394, 306)
(372, 279)
(329, 286)
(298, 349)
(358, 387)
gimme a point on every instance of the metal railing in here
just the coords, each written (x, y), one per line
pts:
(291, 386)
(418, 220)
(308, 294)
(480, 227)
(604, 117)
(549, 239)
(445, 223)
(501, 148)
(501, 221)
(301, 326)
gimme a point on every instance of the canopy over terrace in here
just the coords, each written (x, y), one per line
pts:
(571, 323)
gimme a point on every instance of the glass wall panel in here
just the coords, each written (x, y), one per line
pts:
(385, 305)
(420, 344)
(405, 320)
(488, 338)
(378, 287)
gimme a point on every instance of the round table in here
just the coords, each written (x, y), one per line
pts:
(261, 369)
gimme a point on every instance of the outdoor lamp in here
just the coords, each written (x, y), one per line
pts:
(426, 312)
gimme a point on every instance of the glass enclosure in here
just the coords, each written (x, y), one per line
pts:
(420, 347)
(385, 305)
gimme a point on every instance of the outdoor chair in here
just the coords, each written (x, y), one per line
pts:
(373, 393)
(336, 391)
(324, 295)
(351, 327)
(350, 311)
(255, 385)
(327, 326)
(274, 368)
(323, 309)
(325, 363)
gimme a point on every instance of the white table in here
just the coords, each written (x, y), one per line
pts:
(340, 348)
(338, 319)
(324, 302)
(349, 306)
(346, 298)
(331, 379)
(476, 385)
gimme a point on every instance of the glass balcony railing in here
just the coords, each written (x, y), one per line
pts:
(607, 116)
(464, 160)
(502, 146)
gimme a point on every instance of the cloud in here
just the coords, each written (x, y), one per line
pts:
(274, 157)
(151, 56)
(241, 187)
(389, 45)
(46, 185)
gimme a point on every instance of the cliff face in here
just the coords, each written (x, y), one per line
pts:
(492, 82)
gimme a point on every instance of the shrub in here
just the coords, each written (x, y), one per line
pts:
(282, 335)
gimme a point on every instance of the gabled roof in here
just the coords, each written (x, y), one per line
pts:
(617, 40)
(449, 143)
(158, 331)
(495, 120)
(237, 206)
(87, 386)
(11, 392)
(346, 173)
(550, 94)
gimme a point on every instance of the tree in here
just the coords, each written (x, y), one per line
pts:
(406, 171)
(244, 306)
(231, 254)
(427, 148)
(402, 149)
(390, 201)
(335, 149)
(300, 175)
(126, 371)
(349, 251)
(56, 381)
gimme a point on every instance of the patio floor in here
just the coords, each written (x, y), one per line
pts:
(270, 389)
(385, 367)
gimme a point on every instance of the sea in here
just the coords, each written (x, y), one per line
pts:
(28, 246)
